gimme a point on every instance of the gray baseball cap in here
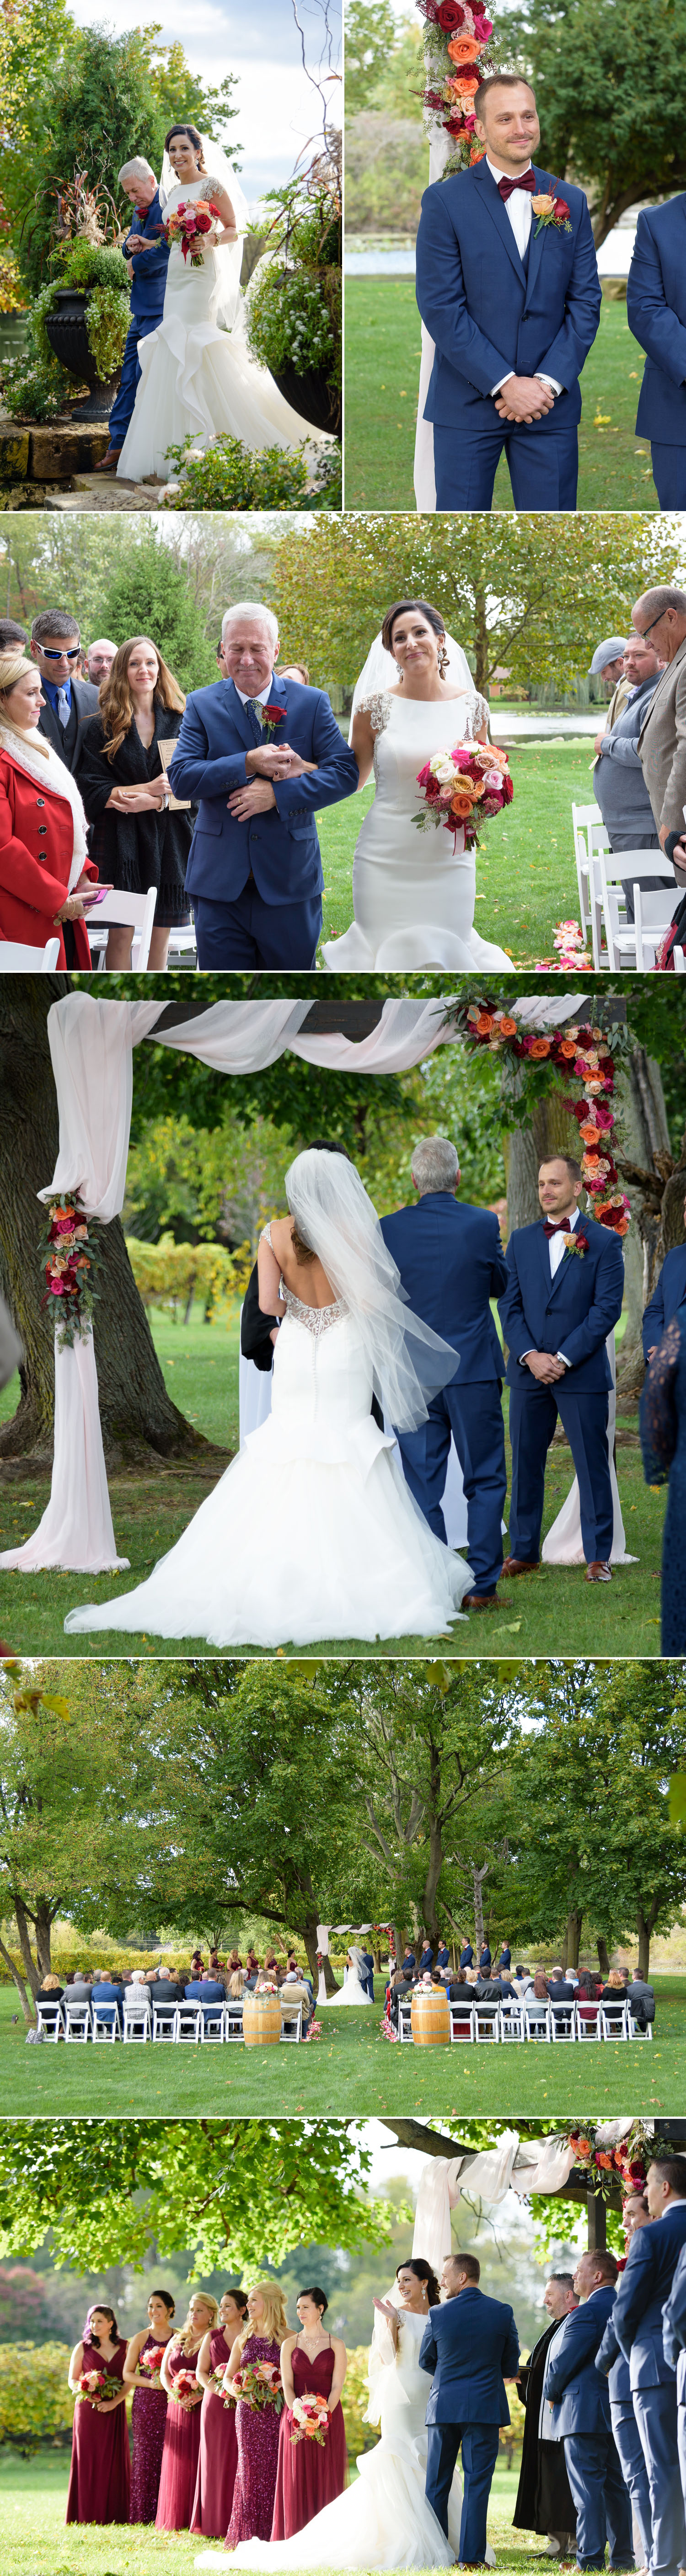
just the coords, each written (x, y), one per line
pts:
(607, 652)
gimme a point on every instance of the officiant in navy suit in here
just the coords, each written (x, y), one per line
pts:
(638, 2318)
(656, 313)
(471, 2346)
(261, 756)
(508, 289)
(451, 1262)
(147, 253)
(579, 2398)
(668, 1295)
(558, 1308)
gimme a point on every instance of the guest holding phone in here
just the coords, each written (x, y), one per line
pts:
(140, 837)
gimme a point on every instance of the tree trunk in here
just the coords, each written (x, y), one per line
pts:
(574, 1923)
(597, 2223)
(139, 1422)
(399, 1939)
(34, 1979)
(644, 1932)
(310, 1939)
(643, 1140)
(478, 1876)
(603, 1961)
(18, 1981)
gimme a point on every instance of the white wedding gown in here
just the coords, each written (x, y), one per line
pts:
(383, 2519)
(197, 381)
(312, 1532)
(351, 1992)
(413, 895)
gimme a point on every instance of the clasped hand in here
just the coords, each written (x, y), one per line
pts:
(523, 398)
(545, 1367)
(269, 761)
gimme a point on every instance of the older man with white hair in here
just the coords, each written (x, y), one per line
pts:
(260, 756)
(451, 1264)
(146, 254)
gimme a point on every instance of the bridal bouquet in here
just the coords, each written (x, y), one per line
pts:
(311, 2419)
(94, 2385)
(259, 2385)
(193, 227)
(462, 786)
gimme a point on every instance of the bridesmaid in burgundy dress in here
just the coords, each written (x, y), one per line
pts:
(100, 2459)
(215, 2480)
(182, 2428)
(310, 2474)
(257, 2429)
(149, 2410)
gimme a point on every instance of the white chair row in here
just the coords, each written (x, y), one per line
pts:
(200, 2023)
(134, 912)
(471, 2024)
(602, 906)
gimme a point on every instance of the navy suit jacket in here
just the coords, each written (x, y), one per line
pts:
(488, 315)
(668, 1295)
(611, 2364)
(644, 2287)
(656, 313)
(281, 846)
(572, 1313)
(571, 2382)
(205, 1990)
(451, 1261)
(469, 2344)
(149, 268)
(674, 2328)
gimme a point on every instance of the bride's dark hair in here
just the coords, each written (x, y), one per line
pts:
(318, 1145)
(403, 608)
(193, 137)
(423, 2272)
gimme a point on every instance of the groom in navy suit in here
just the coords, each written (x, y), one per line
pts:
(638, 2320)
(656, 313)
(451, 1263)
(471, 2345)
(262, 756)
(668, 1295)
(558, 1308)
(511, 297)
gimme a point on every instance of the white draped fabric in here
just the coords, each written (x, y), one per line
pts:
(76, 1529)
(542, 2166)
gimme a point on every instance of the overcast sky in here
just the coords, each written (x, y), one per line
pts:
(277, 108)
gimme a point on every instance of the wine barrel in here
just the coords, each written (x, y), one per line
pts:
(261, 2020)
(430, 2019)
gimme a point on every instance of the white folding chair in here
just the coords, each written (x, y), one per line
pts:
(588, 2025)
(461, 2023)
(512, 2021)
(163, 2021)
(133, 912)
(213, 2024)
(189, 2022)
(137, 2022)
(615, 2020)
(16, 959)
(486, 2021)
(77, 2019)
(679, 961)
(652, 915)
(615, 870)
(50, 2019)
(183, 944)
(233, 2021)
(105, 2021)
(291, 2021)
(563, 2022)
(405, 2020)
(634, 2030)
(537, 2021)
(589, 836)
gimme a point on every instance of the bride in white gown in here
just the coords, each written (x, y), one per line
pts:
(198, 381)
(312, 1533)
(413, 893)
(352, 1990)
(383, 2520)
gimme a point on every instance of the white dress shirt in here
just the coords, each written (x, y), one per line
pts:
(254, 697)
(518, 209)
(556, 1248)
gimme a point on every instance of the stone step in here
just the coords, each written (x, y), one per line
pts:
(51, 454)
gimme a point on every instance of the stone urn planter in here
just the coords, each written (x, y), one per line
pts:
(312, 397)
(68, 336)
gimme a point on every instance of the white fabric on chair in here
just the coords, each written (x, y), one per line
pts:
(563, 1545)
(76, 1529)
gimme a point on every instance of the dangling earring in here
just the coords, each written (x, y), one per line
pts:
(442, 658)
(401, 674)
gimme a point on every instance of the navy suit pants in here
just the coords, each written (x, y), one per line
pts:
(543, 468)
(122, 408)
(473, 1414)
(656, 2415)
(602, 2504)
(628, 2442)
(479, 2455)
(251, 933)
(669, 475)
(533, 1415)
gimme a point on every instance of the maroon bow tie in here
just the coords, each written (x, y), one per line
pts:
(561, 1225)
(528, 180)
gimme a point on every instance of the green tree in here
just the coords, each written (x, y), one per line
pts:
(370, 36)
(148, 595)
(231, 2191)
(589, 1811)
(429, 1742)
(609, 91)
(58, 1803)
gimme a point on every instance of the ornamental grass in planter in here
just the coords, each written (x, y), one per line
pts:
(76, 331)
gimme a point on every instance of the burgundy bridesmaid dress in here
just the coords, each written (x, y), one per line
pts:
(100, 2474)
(180, 2452)
(148, 2419)
(309, 2474)
(257, 2437)
(216, 2476)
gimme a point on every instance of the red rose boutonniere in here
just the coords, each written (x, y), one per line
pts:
(551, 210)
(270, 717)
(575, 1242)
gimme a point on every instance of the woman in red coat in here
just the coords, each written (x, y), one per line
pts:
(42, 826)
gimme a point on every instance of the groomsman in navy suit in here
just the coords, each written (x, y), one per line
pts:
(656, 313)
(674, 2348)
(262, 756)
(558, 1308)
(512, 304)
(580, 2403)
(451, 1263)
(642, 2297)
(471, 2345)
(611, 2364)
(668, 1295)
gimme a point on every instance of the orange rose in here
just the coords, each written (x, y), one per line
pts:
(461, 806)
(465, 84)
(565, 1047)
(541, 1047)
(464, 49)
(591, 1135)
(485, 1023)
(508, 1028)
(543, 205)
(478, 152)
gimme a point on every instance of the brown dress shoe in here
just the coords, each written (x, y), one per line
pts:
(108, 464)
(598, 1572)
(481, 1601)
(520, 1565)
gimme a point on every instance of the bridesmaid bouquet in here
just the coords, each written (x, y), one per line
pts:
(463, 785)
(218, 2378)
(192, 226)
(150, 2363)
(185, 2385)
(96, 2384)
(311, 2419)
(259, 2385)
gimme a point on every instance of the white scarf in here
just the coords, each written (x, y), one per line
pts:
(23, 750)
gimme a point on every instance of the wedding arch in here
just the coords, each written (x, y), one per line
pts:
(91, 1047)
(458, 54)
(591, 2163)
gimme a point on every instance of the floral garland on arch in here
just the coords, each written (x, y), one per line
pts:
(69, 1260)
(584, 1057)
(457, 56)
(626, 2164)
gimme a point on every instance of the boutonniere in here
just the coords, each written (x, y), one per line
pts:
(575, 1242)
(270, 717)
(551, 210)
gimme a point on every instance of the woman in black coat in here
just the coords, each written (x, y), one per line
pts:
(138, 838)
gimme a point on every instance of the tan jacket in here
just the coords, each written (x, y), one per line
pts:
(618, 701)
(662, 746)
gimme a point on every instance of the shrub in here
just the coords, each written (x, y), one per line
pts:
(229, 476)
(290, 324)
(36, 2404)
(171, 1274)
(35, 387)
(359, 2436)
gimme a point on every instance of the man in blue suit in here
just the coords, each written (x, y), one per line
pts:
(656, 313)
(643, 2292)
(451, 1263)
(254, 867)
(512, 304)
(558, 1308)
(610, 2362)
(147, 253)
(471, 2346)
(206, 1991)
(668, 1295)
(581, 2415)
(674, 2348)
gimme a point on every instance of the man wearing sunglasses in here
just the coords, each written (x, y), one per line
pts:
(55, 647)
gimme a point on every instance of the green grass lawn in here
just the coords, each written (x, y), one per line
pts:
(350, 2071)
(525, 870)
(381, 385)
(35, 2543)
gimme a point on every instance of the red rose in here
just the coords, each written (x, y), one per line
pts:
(275, 714)
(561, 207)
(507, 788)
(203, 224)
(449, 16)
